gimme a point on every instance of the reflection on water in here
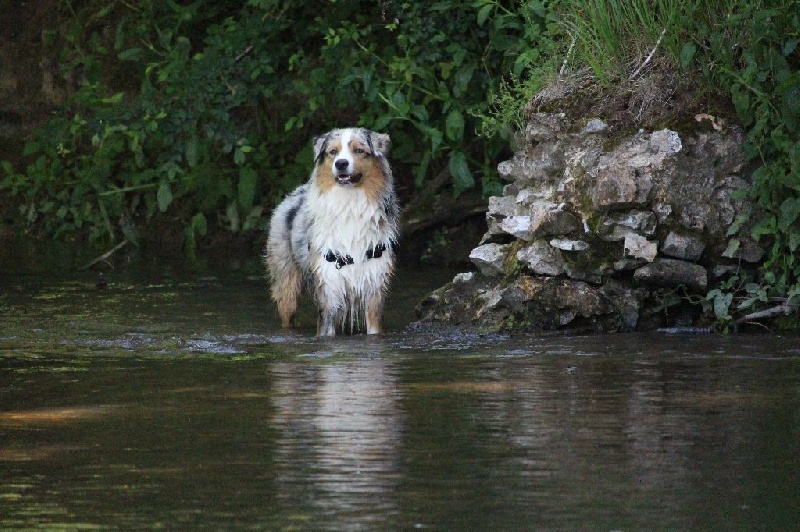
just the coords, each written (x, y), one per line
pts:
(171, 400)
(339, 432)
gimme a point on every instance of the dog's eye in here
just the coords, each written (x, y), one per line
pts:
(333, 152)
(359, 151)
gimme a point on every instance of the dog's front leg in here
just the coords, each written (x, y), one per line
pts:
(374, 313)
(326, 325)
(329, 295)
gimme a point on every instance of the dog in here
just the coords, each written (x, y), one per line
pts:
(337, 234)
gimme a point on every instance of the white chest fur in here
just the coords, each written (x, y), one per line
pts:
(344, 221)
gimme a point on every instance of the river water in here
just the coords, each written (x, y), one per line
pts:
(171, 399)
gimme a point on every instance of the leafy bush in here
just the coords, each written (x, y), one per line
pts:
(204, 111)
(752, 48)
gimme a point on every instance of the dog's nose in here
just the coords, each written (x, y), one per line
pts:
(341, 164)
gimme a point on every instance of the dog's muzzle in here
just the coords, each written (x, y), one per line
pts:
(342, 177)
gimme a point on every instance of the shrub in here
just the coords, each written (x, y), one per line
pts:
(204, 111)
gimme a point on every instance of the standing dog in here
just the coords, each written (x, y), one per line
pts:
(337, 233)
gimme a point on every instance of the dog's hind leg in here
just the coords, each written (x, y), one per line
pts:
(286, 291)
(286, 279)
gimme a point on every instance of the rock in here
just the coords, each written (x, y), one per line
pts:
(625, 177)
(484, 302)
(595, 125)
(565, 244)
(506, 168)
(489, 258)
(549, 219)
(665, 141)
(673, 273)
(626, 301)
(463, 277)
(724, 270)
(663, 212)
(685, 247)
(627, 263)
(576, 298)
(542, 258)
(518, 227)
(544, 126)
(599, 222)
(617, 226)
(542, 164)
(620, 187)
(639, 247)
(500, 207)
(699, 186)
(526, 197)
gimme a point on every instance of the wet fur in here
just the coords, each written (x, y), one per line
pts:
(336, 234)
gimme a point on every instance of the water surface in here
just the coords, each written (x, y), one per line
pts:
(171, 399)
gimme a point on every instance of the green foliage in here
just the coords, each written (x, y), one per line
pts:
(204, 111)
(611, 35)
(751, 48)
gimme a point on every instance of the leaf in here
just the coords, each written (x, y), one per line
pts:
(421, 170)
(790, 210)
(459, 169)
(247, 187)
(131, 54)
(741, 100)
(733, 247)
(740, 220)
(687, 53)
(483, 14)
(794, 240)
(199, 223)
(436, 139)
(722, 304)
(239, 156)
(164, 196)
(462, 79)
(765, 226)
(113, 99)
(454, 125)
(789, 46)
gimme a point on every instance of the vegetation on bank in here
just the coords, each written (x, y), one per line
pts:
(203, 111)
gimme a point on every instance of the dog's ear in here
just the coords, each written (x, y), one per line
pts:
(320, 146)
(380, 143)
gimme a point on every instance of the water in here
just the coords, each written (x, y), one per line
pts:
(171, 399)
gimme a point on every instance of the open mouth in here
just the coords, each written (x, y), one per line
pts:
(348, 179)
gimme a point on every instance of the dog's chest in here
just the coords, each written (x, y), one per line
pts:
(345, 221)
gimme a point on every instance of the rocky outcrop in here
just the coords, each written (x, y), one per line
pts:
(596, 230)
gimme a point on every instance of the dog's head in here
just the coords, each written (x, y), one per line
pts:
(351, 157)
